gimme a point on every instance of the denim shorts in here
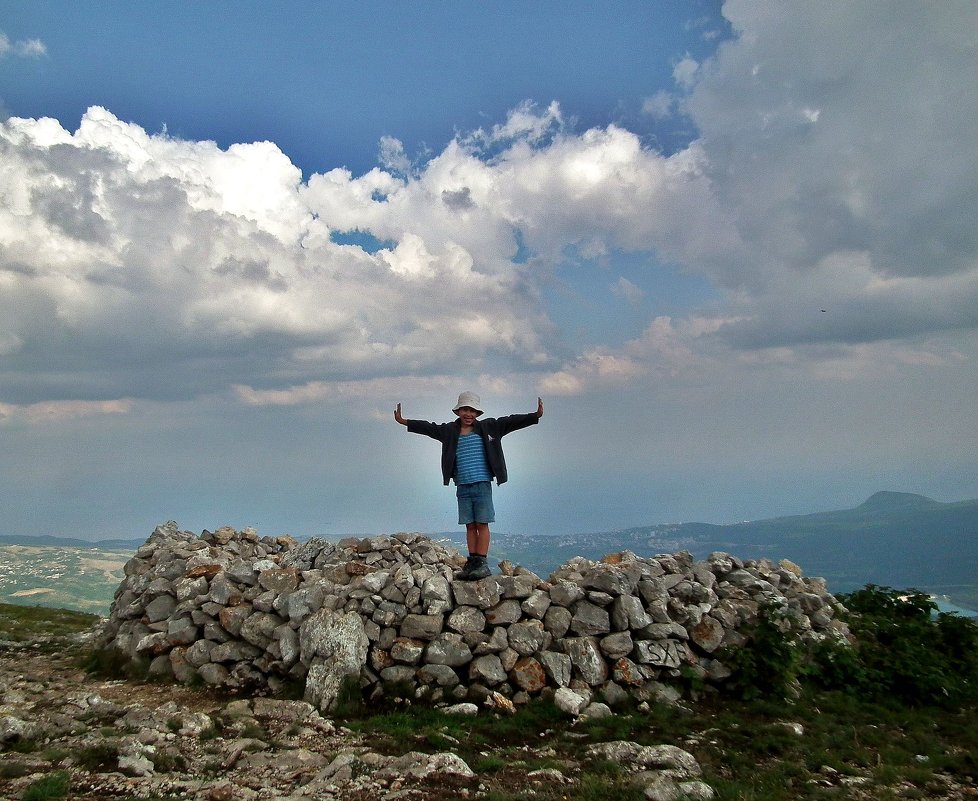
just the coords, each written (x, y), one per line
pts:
(475, 503)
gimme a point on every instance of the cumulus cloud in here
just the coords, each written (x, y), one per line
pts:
(826, 175)
(820, 145)
(145, 257)
(525, 122)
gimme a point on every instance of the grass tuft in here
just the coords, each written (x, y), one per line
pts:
(53, 785)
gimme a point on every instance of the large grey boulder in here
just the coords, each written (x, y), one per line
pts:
(336, 649)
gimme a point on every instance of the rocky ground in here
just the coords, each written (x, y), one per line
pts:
(135, 741)
(119, 739)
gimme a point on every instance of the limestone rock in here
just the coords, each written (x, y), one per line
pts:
(338, 646)
(570, 701)
(448, 648)
(236, 610)
(482, 594)
(587, 659)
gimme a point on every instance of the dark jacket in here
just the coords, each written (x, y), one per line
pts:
(491, 429)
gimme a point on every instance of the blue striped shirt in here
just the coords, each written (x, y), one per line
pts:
(470, 460)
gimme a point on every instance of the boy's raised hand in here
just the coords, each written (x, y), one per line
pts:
(398, 417)
(539, 408)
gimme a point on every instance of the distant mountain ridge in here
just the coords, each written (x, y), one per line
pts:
(894, 501)
(47, 541)
(897, 539)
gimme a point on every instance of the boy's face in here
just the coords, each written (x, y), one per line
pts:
(467, 415)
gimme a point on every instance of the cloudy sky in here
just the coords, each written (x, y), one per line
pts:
(732, 245)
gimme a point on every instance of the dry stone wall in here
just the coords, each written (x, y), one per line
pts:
(261, 614)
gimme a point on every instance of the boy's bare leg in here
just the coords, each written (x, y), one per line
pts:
(472, 536)
(477, 538)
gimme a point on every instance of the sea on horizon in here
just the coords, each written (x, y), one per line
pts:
(946, 606)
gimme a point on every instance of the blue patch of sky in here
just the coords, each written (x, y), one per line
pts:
(362, 239)
(589, 291)
(523, 253)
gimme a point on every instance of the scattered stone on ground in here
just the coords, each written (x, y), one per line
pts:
(122, 739)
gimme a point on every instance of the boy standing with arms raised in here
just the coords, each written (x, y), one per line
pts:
(472, 455)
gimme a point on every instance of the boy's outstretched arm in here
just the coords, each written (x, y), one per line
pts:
(398, 417)
(539, 408)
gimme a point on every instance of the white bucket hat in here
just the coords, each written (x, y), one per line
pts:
(468, 399)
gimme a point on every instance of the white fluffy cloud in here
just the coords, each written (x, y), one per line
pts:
(836, 137)
(834, 170)
(131, 261)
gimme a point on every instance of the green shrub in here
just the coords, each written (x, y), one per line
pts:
(54, 754)
(605, 788)
(836, 666)
(349, 698)
(958, 638)
(100, 757)
(169, 762)
(111, 663)
(905, 650)
(54, 785)
(12, 769)
(770, 661)
(493, 763)
(252, 730)
(23, 745)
